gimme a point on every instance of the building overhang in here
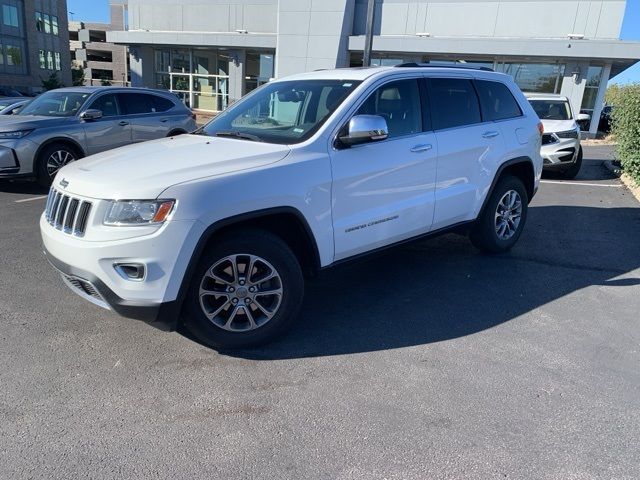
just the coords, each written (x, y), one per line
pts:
(621, 54)
(195, 39)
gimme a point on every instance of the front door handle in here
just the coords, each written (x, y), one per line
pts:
(123, 123)
(490, 134)
(421, 148)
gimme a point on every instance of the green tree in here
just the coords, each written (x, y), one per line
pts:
(52, 82)
(626, 128)
(77, 76)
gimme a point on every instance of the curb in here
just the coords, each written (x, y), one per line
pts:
(626, 180)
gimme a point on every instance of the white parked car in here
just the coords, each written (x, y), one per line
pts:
(561, 150)
(221, 227)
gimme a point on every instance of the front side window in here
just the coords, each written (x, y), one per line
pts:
(454, 103)
(399, 103)
(107, 104)
(282, 112)
(10, 15)
(551, 109)
(497, 101)
(56, 104)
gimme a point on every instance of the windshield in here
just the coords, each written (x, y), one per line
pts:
(282, 112)
(552, 109)
(56, 104)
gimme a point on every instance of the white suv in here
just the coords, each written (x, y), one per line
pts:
(219, 228)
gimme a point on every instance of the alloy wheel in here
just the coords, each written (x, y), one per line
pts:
(240, 293)
(508, 215)
(57, 160)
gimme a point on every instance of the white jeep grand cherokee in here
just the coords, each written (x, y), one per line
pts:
(219, 228)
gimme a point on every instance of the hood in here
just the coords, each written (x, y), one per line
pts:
(11, 123)
(551, 126)
(144, 170)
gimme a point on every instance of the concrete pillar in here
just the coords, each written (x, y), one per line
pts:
(597, 108)
(573, 83)
(141, 66)
(237, 60)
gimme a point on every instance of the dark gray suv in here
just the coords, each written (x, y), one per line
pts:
(66, 124)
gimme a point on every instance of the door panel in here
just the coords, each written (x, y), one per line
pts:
(383, 192)
(112, 130)
(146, 122)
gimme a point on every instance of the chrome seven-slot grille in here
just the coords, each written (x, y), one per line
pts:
(67, 213)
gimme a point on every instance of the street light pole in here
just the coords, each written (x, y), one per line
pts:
(368, 38)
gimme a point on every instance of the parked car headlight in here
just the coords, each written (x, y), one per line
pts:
(138, 212)
(16, 134)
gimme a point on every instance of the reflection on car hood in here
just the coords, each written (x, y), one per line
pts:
(11, 123)
(551, 126)
(144, 170)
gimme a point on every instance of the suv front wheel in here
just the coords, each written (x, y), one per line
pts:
(247, 288)
(500, 224)
(52, 158)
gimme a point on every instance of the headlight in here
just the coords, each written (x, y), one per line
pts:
(16, 134)
(138, 212)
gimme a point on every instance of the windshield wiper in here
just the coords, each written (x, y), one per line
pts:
(236, 134)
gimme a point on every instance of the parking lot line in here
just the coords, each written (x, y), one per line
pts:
(30, 199)
(585, 184)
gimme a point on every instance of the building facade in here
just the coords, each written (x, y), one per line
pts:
(33, 43)
(211, 52)
(103, 62)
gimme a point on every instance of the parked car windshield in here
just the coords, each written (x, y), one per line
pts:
(282, 112)
(56, 104)
(552, 109)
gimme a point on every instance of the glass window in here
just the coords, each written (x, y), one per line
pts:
(454, 103)
(282, 112)
(161, 104)
(10, 15)
(399, 103)
(162, 61)
(497, 101)
(535, 77)
(43, 64)
(56, 104)
(551, 109)
(47, 23)
(137, 103)
(107, 104)
(49, 60)
(57, 60)
(54, 25)
(14, 55)
(39, 22)
(180, 61)
(1, 54)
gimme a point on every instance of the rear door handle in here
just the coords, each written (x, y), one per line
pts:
(123, 123)
(421, 148)
(490, 134)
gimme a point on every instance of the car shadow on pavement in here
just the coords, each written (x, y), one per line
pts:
(27, 187)
(443, 288)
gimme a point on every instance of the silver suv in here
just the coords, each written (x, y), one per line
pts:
(63, 125)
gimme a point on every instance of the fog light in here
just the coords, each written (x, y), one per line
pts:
(130, 271)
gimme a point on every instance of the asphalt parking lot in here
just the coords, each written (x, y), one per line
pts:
(430, 361)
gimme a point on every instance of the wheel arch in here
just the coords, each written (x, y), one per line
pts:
(64, 140)
(521, 167)
(286, 222)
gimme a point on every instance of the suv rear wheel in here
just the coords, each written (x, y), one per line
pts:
(51, 159)
(499, 226)
(246, 290)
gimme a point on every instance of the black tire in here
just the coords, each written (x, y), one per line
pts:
(43, 174)
(484, 234)
(278, 255)
(175, 133)
(574, 169)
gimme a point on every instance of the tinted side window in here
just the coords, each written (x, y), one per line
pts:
(454, 102)
(108, 104)
(162, 104)
(497, 101)
(135, 103)
(399, 103)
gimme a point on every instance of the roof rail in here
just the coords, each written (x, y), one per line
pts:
(432, 65)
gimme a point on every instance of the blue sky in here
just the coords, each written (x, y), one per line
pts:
(98, 11)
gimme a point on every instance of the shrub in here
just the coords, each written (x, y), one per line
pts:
(626, 128)
(52, 82)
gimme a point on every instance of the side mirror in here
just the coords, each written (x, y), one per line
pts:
(583, 117)
(365, 129)
(91, 114)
